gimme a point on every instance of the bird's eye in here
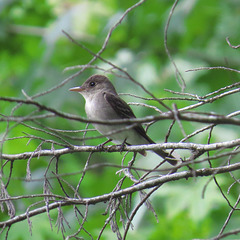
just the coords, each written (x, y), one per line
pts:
(92, 84)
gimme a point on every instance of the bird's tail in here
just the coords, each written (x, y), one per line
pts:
(173, 160)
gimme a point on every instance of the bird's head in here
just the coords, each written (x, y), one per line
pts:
(94, 85)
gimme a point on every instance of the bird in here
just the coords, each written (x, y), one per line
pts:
(103, 103)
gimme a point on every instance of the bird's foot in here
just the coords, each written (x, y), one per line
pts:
(101, 145)
(122, 145)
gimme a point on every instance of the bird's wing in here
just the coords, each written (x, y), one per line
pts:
(123, 110)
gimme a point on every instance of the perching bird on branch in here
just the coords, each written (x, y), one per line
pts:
(104, 104)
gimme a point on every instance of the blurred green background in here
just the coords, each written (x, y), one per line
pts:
(33, 54)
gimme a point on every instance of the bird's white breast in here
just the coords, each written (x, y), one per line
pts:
(98, 108)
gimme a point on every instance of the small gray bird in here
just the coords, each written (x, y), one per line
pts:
(104, 104)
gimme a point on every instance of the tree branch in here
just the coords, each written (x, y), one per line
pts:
(116, 148)
(120, 193)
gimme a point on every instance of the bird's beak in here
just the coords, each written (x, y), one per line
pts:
(77, 89)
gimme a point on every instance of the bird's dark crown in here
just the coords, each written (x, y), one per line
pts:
(96, 82)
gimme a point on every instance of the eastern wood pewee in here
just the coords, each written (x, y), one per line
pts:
(103, 103)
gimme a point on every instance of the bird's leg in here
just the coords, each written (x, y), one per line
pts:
(123, 145)
(101, 145)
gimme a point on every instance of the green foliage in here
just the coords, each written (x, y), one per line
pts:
(33, 55)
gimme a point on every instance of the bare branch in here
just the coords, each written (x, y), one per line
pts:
(232, 46)
(52, 143)
(140, 186)
(115, 148)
